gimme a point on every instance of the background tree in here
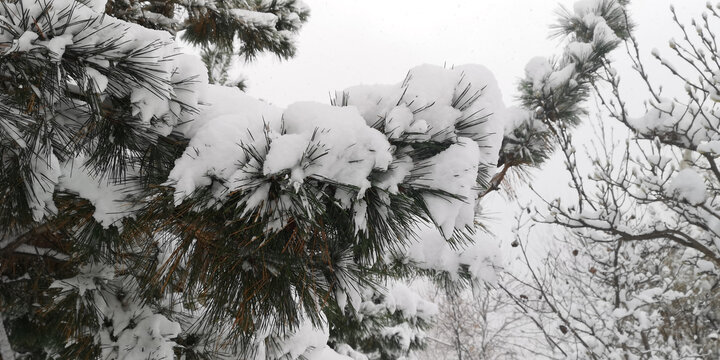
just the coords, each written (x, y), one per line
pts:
(638, 277)
(225, 31)
(483, 324)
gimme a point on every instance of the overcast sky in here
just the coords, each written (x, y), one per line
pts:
(351, 42)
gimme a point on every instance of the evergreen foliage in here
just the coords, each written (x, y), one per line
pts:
(553, 91)
(147, 214)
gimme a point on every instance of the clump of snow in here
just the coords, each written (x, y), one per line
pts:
(689, 186)
(110, 198)
(547, 76)
(431, 251)
(670, 117)
(96, 81)
(41, 185)
(91, 277)
(489, 104)
(602, 33)
(583, 7)
(25, 41)
(579, 50)
(454, 171)
(306, 338)
(129, 330)
(332, 142)
(190, 88)
(523, 134)
(561, 77)
(398, 170)
(462, 104)
(147, 104)
(254, 18)
(399, 121)
(56, 46)
(440, 101)
(589, 12)
(537, 70)
(343, 144)
(149, 338)
(214, 150)
(411, 304)
(346, 350)
(712, 147)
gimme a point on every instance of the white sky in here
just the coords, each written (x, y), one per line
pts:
(352, 42)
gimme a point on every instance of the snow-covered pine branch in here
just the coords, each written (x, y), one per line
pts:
(199, 221)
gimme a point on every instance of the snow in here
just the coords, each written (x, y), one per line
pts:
(589, 12)
(25, 41)
(489, 133)
(561, 77)
(346, 150)
(348, 290)
(255, 18)
(147, 104)
(307, 140)
(704, 266)
(129, 329)
(89, 278)
(547, 76)
(287, 152)
(668, 116)
(583, 7)
(214, 149)
(57, 45)
(398, 170)
(41, 185)
(579, 50)
(110, 198)
(689, 186)
(712, 147)
(97, 81)
(341, 144)
(603, 33)
(454, 171)
(431, 251)
(537, 70)
(96, 5)
(345, 349)
(12, 131)
(398, 121)
(402, 332)
(439, 99)
(154, 97)
(306, 338)
(326, 353)
(150, 338)
(360, 216)
(430, 92)
(411, 304)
